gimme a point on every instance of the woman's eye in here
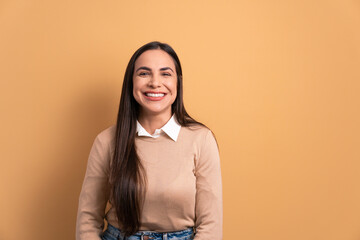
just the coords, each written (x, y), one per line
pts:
(143, 73)
(166, 74)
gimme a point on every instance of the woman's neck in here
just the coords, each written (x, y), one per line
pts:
(151, 122)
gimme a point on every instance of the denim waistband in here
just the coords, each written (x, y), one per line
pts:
(152, 234)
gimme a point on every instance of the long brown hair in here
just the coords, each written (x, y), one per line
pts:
(127, 175)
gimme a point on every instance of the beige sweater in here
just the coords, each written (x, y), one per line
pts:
(184, 185)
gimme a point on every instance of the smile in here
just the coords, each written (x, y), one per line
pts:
(154, 96)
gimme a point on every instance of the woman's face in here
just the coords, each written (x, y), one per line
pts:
(155, 82)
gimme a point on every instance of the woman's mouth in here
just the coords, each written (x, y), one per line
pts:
(152, 96)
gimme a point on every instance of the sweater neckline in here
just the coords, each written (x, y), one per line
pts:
(162, 137)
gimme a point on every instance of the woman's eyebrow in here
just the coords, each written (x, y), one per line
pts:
(166, 68)
(144, 68)
(148, 69)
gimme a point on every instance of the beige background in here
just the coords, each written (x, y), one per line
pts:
(277, 81)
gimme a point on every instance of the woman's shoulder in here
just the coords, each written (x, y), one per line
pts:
(107, 134)
(197, 130)
(200, 136)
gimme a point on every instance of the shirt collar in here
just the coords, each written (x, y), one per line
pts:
(171, 128)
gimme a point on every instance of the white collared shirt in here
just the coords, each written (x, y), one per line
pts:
(171, 128)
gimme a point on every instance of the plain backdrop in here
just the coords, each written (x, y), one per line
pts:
(276, 81)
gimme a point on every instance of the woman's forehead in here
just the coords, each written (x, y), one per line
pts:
(155, 58)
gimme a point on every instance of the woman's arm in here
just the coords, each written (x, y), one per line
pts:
(95, 192)
(208, 206)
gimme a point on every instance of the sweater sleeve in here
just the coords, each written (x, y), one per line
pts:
(94, 193)
(208, 206)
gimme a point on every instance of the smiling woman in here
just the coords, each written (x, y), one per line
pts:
(158, 168)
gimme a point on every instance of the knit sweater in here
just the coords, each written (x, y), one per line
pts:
(184, 186)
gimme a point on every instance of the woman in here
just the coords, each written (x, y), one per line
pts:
(158, 167)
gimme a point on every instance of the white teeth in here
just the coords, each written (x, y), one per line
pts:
(154, 94)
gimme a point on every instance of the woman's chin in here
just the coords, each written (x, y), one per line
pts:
(156, 111)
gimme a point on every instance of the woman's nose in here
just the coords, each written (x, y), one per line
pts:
(155, 81)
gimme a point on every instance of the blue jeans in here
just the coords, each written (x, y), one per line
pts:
(113, 233)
